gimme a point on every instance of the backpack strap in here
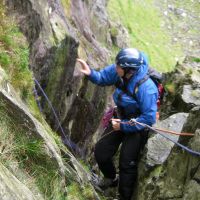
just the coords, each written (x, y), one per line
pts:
(124, 90)
(140, 82)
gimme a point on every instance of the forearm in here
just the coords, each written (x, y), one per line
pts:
(104, 77)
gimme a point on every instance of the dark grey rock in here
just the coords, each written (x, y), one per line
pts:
(190, 95)
(158, 147)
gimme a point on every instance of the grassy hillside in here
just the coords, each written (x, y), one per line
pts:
(143, 22)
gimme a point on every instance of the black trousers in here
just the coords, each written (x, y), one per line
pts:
(106, 148)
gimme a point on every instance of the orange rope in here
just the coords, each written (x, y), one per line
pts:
(173, 132)
(159, 129)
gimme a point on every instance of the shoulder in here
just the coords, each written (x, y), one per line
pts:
(111, 67)
(109, 70)
(148, 87)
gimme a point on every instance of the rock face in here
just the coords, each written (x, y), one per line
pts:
(183, 87)
(12, 188)
(156, 169)
(59, 33)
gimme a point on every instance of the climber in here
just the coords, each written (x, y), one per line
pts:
(131, 66)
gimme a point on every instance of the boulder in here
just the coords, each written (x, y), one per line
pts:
(191, 95)
(158, 147)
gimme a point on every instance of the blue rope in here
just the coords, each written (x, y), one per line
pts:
(66, 140)
(195, 153)
(37, 99)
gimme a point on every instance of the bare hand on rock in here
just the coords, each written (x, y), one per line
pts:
(85, 68)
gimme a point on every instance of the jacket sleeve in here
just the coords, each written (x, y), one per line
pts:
(107, 76)
(147, 98)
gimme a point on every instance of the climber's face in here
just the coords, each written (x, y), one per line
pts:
(120, 71)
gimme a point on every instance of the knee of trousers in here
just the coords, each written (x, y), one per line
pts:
(100, 155)
(128, 167)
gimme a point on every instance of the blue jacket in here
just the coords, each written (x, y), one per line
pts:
(146, 95)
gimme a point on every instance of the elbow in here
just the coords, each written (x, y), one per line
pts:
(152, 120)
(148, 119)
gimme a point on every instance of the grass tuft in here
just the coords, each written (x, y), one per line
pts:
(14, 59)
(20, 146)
(14, 56)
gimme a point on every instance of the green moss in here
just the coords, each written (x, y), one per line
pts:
(195, 93)
(14, 56)
(90, 92)
(66, 6)
(170, 87)
(4, 59)
(157, 171)
(142, 20)
(84, 192)
(113, 31)
(196, 60)
(58, 68)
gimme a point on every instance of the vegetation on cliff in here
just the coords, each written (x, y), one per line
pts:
(14, 59)
(21, 151)
(14, 55)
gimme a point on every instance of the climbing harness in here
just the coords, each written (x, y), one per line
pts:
(66, 140)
